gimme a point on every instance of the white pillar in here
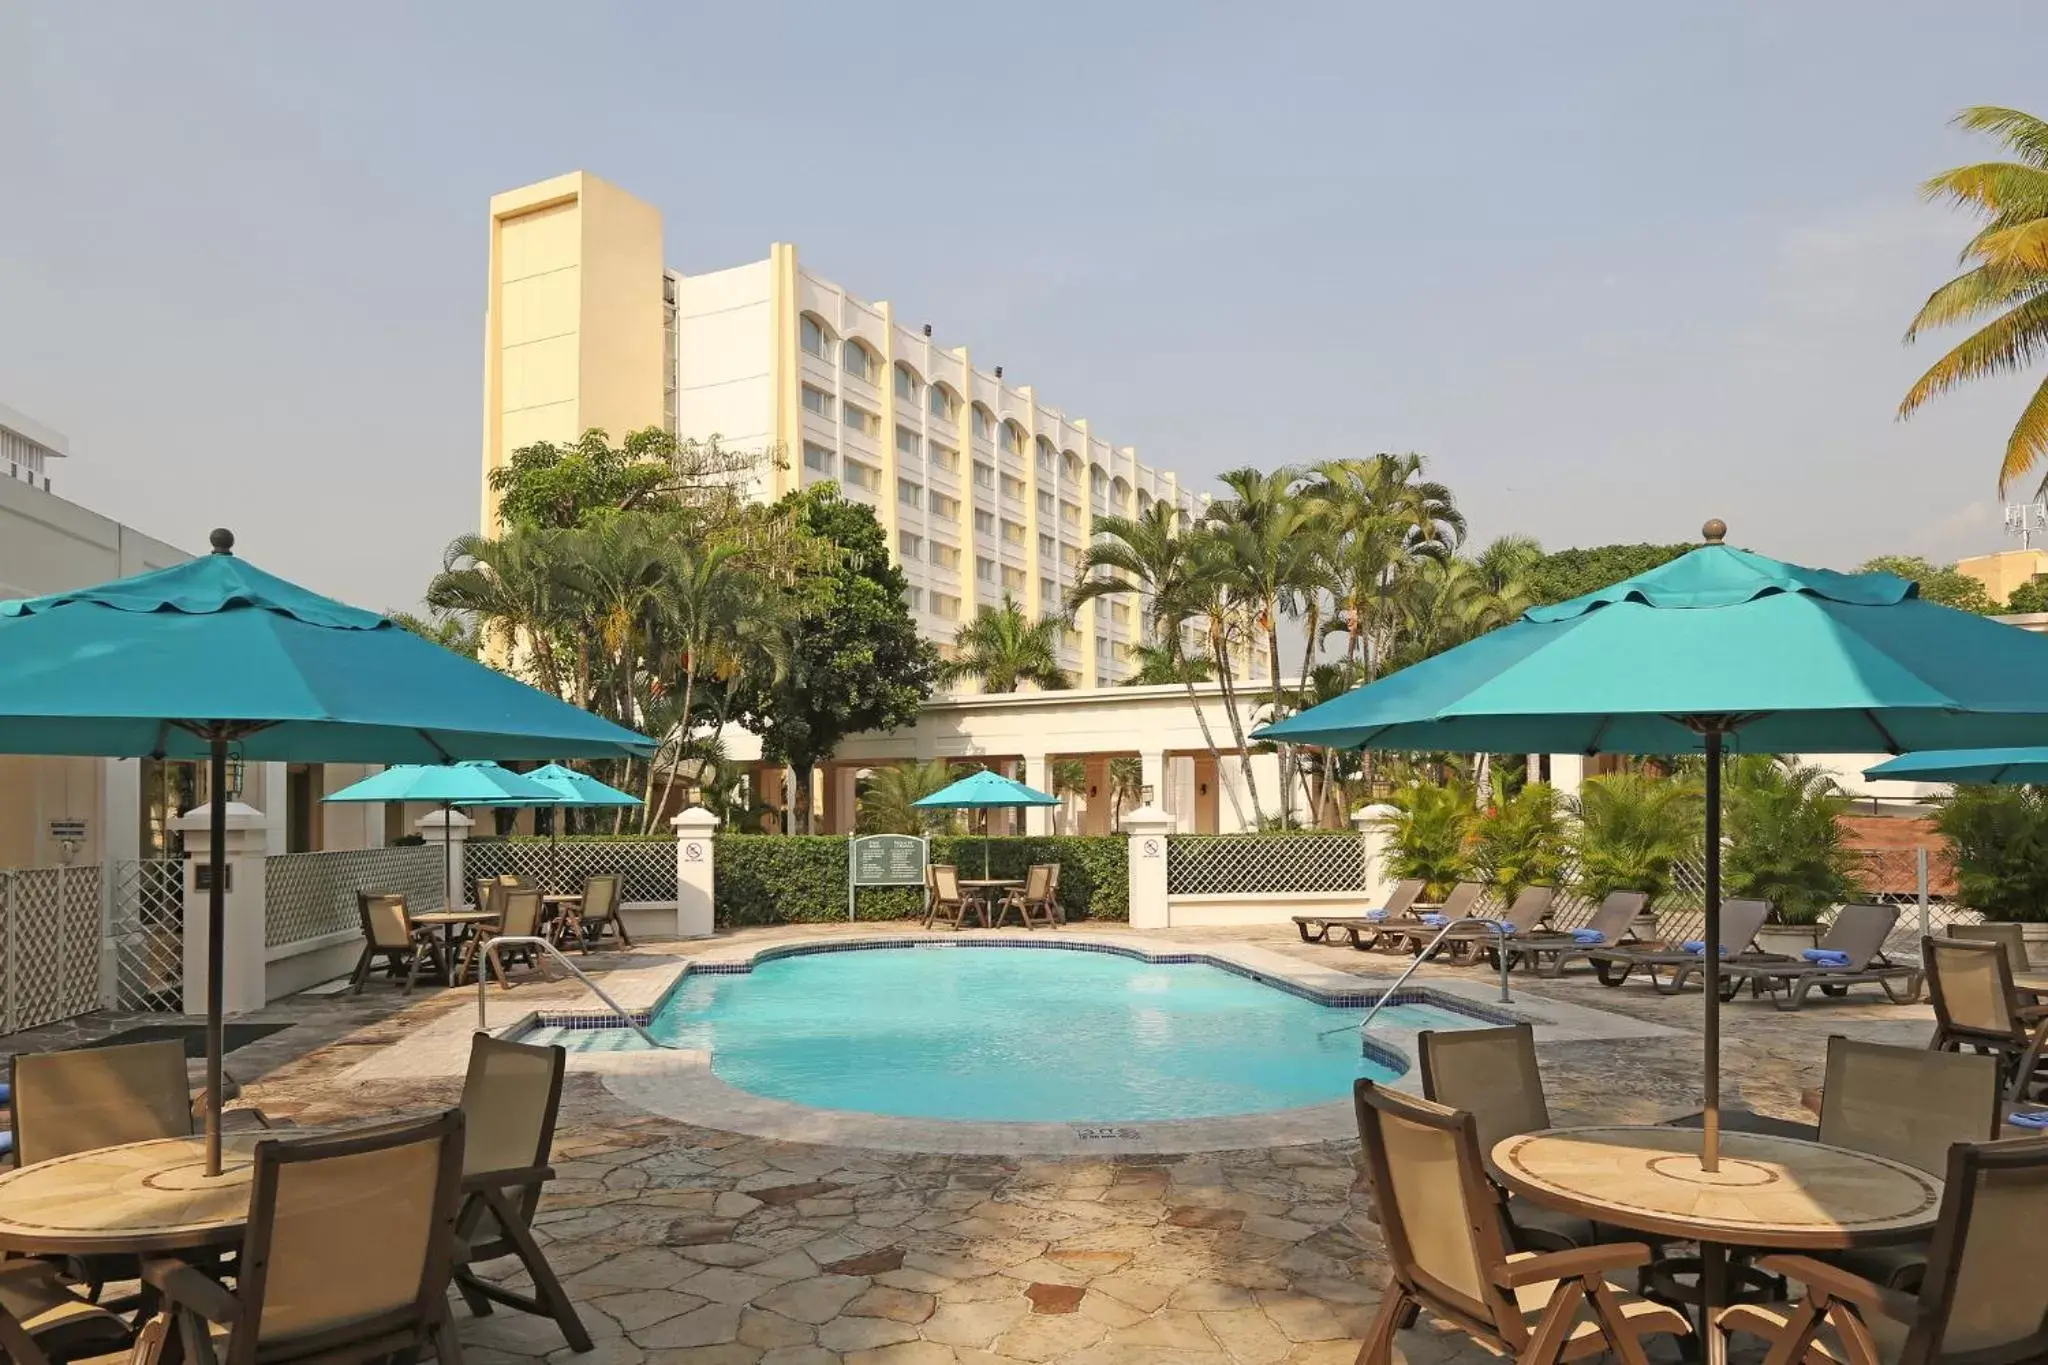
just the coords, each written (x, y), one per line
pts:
(1373, 848)
(696, 879)
(120, 835)
(242, 967)
(1038, 819)
(1567, 771)
(453, 827)
(1152, 770)
(1147, 828)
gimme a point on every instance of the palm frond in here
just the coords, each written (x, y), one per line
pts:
(1975, 293)
(2008, 343)
(2005, 190)
(2017, 129)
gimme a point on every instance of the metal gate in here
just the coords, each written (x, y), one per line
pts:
(49, 945)
(146, 927)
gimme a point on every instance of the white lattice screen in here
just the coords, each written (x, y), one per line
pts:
(646, 868)
(49, 945)
(308, 895)
(146, 919)
(1269, 864)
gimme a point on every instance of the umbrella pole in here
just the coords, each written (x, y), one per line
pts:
(555, 853)
(985, 816)
(216, 928)
(1710, 1149)
(453, 894)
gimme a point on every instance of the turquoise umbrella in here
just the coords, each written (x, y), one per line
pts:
(1720, 649)
(572, 788)
(474, 783)
(1965, 765)
(985, 791)
(214, 654)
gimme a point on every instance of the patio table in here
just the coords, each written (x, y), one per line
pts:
(2031, 981)
(138, 1198)
(1771, 1192)
(448, 921)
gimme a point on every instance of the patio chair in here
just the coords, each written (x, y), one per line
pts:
(1318, 928)
(389, 933)
(509, 1100)
(487, 895)
(1856, 941)
(1416, 933)
(588, 923)
(347, 1255)
(2013, 936)
(1052, 893)
(1034, 896)
(519, 910)
(1977, 1007)
(947, 900)
(1609, 928)
(1490, 1073)
(1740, 919)
(1983, 1300)
(1441, 1220)
(43, 1320)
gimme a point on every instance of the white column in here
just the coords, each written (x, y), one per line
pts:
(276, 799)
(1567, 771)
(1038, 819)
(242, 967)
(453, 827)
(696, 879)
(1152, 769)
(120, 837)
(1147, 828)
(1374, 849)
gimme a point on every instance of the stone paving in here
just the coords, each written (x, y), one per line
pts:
(687, 1244)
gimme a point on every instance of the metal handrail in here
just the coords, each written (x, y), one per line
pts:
(483, 977)
(1387, 995)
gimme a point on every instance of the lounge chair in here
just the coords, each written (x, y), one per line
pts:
(350, 1244)
(1490, 1073)
(1318, 928)
(588, 921)
(1416, 932)
(389, 933)
(1439, 1216)
(1855, 942)
(1740, 919)
(947, 900)
(519, 914)
(1525, 916)
(510, 1099)
(2013, 936)
(1977, 1007)
(1035, 896)
(1983, 1299)
(1609, 928)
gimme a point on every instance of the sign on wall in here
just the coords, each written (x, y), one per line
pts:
(883, 860)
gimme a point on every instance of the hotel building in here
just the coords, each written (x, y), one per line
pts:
(983, 488)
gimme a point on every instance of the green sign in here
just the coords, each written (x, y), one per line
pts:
(887, 860)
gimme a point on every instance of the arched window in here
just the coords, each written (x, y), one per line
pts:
(816, 337)
(1013, 438)
(945, 403)
(908, 385)
(1098, 479)
(984, 423)
(1120, 493)
(1144, 502)
(1070, 466)
(1048, 459)
(860, 362)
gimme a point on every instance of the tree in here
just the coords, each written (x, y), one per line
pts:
(2008, 282)
(1633, 830)
(1430, 835)
(856, 662)
(1785, 837)
(888, 800)
(1520, 842)
(1564, 574)
(1938, 583)
(1164, 665)
(1126, 783)
(572, 486)
(450, 630)
(2030, 596)
(2000, 836)
(1003, 649)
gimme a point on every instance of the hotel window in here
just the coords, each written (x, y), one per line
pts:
(1013, 580)
(907, 384)
(984, 424)
(1013, 438)
(909, 546)
(944, 403)
(864, 476)
(984, 569)
(1070, 638)
(1070, 513)
(944, 507)
(1048, 459)
(984, 523)
(910, 494)
(1101, 649)
(859, 361)
(818, 402)
(816, 340)
(1098, 482)
(1048, 595)
(1044, 503)
(984, 475)
(946, 606)
(818, 458)
(914, 598)
(862, 421)
(908, 442)
(1120, 612)
(1071, 555)
(1013, 534)
(1047, 546)
(1013, 487)
(946, 458)
(945, 556)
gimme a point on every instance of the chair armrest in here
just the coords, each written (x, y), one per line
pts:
(1845, 1285)
(512, 1177)
(2032, 1013)
(187, 1285)
(1584, 1263)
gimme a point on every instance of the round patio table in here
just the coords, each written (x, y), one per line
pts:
(1776, 1193)
(141, 1197)
(448, 921)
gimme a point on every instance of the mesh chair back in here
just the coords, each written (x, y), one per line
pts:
(1463, 900)
(946, 882)
(1984, 1296)
(1491, 1074)
(600, 898)
(1402, 898)
(487, 895)
(1970, 987)
(1617, 911)
(385, 922)
(2012, 937)
(74, 1101)
(1907, 1103)
(1530, 905)
(1038, 882)
(509, 1101)
(1860, 931)
(518, 911)
(1740, 919)
(350, 1237)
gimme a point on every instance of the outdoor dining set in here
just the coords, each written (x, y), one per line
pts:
(990, 900)
(452, 946)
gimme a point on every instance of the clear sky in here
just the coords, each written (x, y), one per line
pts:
(1614, 268)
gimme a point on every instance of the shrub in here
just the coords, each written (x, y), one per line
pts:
(1429, 836)
(2000, 836)
(1633, 829)
(789, 878)
(1521, 841)
(1784, 840)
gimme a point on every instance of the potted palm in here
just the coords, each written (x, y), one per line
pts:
(1429, 835)
(1632, 830)
(1784, 845)
(1520, 842)
(2000, 837)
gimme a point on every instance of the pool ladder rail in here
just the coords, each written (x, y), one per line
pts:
(483, 977)
(1387, 995)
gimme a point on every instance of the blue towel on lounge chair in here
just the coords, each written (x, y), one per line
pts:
(1434, 920)
(1375, 916)
(1589, 937)
(2033, 1118)
(1698, 947)
(1825, 957)
(1501, 926)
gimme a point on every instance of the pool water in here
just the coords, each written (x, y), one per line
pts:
(1022, 1035)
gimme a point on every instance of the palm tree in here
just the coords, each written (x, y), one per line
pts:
(1633, 829)
(450, 630)
(1004, 649)
(888, 799)
(1126, 781)
(2008, 282)
(1165, 664)
(510, 586)
(1385, 517)
(1068, 777)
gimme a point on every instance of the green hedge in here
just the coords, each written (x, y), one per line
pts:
(776, 879)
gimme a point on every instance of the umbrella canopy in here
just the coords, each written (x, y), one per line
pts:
(449, 784)
(1720, 648)
(1965, 765)
(572, 788)
(985, 791)
(187, 661)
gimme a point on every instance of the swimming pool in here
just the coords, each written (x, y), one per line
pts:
(987, 1032)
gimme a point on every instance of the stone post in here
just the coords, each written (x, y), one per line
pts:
(1373, 848)
(454, 827)
(242, 966)
(1147, 828)
(1038, 775)
(696, 879)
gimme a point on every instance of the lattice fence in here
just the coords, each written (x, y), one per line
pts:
(49, 945)
(308, 895)
(646, 868)
(1261, 864)
(146, 921)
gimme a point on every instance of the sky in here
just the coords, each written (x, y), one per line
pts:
(1613, 268)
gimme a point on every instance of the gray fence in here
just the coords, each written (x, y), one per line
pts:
(646, 868)
(310, 895)
(49, 945)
